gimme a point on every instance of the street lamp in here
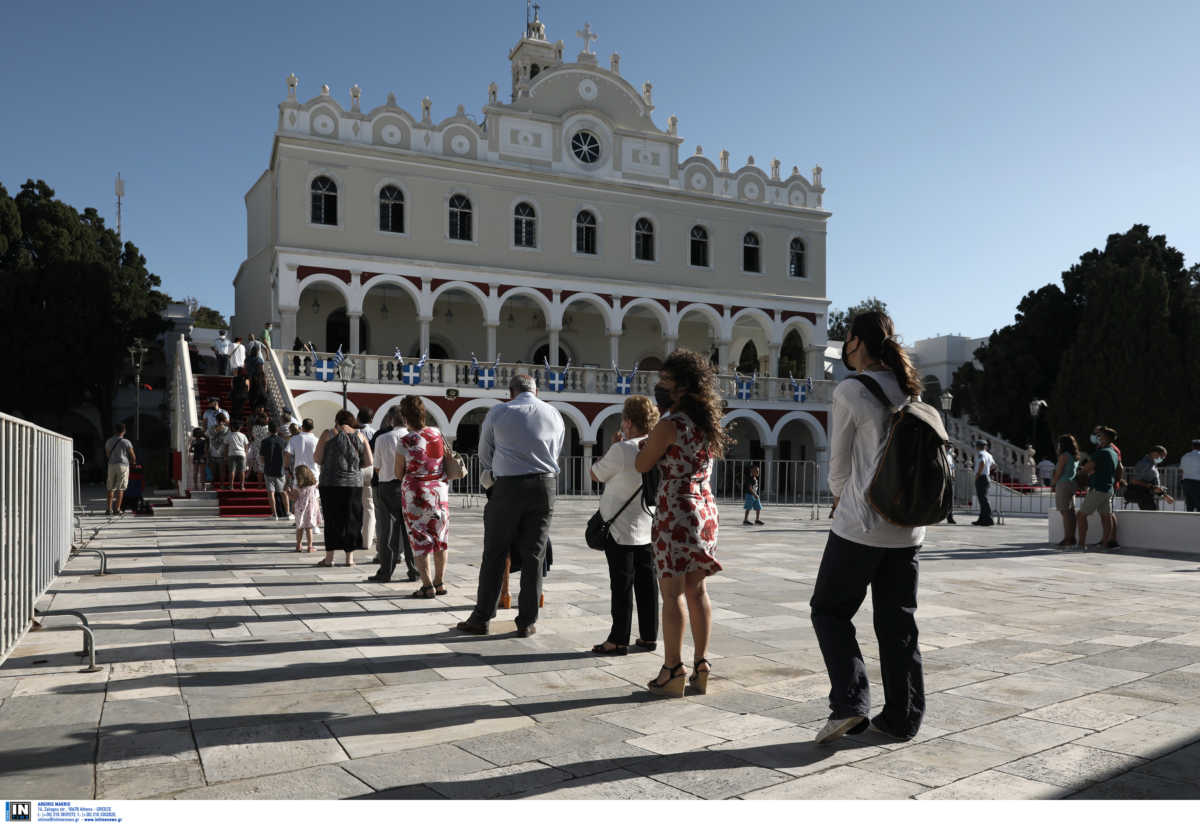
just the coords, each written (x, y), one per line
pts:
(947, 403)
(1035, 406)
(345, 373)
(137, 354)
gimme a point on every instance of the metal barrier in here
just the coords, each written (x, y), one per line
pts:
(35, 520)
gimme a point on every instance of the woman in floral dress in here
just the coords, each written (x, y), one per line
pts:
(684, 537)
(426, 495)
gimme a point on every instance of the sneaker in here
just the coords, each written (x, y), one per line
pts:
(881, 726)
(472, 628)
(1112, 545)
(291, 516)
(835, 728)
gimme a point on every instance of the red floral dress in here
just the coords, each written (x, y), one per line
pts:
(426, 494)
(684, 534)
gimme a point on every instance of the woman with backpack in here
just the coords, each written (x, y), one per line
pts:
(865, 549)
(627, 544)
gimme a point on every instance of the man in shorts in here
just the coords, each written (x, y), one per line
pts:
(271, 450)
(1102, 475)
(119, 452)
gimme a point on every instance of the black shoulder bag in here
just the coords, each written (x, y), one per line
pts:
(596, 533)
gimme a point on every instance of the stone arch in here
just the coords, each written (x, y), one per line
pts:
(656, 308)
(321, 405)
(760, 423)
(814, 427)
(465, 409)
(764, 320)
(577, 418)
(353, 297)
(603, 415)
(490, 314)
(526, 291)
(432, 410)
(394, 280)
(605, 308)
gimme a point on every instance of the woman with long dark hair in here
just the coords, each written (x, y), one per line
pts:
(864, 549)
(1063, 483)
(342, 452)
(684, 533)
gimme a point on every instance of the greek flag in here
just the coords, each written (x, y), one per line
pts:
(800, 389)
(557, 381)
(324, 370)
(625, 382)
(745, 386)
(338, 357)
(485, 377)
(410, 373)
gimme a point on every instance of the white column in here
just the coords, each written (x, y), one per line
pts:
(353, 318)
(585, 476)
(287, 328)
(723, 356)
(424, 345)
(614, 348)
(773, 370)
(554, 348)
(491, 342)
(816, 363)
(671, 345)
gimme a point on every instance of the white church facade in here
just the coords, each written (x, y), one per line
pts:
(563, 226)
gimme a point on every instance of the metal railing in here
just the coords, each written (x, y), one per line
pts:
(35, 520)
(589, 380)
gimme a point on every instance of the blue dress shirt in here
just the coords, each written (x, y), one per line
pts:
(521, 437)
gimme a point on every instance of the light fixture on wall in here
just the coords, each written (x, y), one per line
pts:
(535, 321)
(383, 310)
(512, 319)
(449, 313)
(568, 321)
(316, 304)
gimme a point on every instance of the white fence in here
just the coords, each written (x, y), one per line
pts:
(35, 520)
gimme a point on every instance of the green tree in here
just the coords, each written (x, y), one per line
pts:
(76, 297)
(839, 321)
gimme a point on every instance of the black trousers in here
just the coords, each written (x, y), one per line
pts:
(985, 506)
(1142, 496)
(222, 364)
(341, 506)
(390, 530)
(631, 574)
(846, 570)
(517, 515)
(1191, 494)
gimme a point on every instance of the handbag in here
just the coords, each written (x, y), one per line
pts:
(596, 533)
(453, 466)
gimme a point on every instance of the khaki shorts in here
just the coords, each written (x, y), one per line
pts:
(1096, 501)
(1064, 496)
(118, 477)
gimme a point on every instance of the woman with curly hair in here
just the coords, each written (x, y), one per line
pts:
(684, 534)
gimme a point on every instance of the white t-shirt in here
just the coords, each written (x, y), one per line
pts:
(1046, 468)
(237, 356)
(235, 444)
(223, 345)
(984, 464)
(302, 448)
(1190, 464)
(386, 446)
(859, 426)
(616, 471)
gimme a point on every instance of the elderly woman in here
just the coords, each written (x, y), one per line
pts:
(342, 453)
(419, 459)
(628, 548)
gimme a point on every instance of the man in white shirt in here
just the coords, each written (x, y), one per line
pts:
(237, 355)
(984, 464)
(221, 348)
(1045, 469)
(212, 413)
(301, 450)
(1190, 464)
(389, 513)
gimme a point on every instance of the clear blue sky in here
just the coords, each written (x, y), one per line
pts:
(971, 150)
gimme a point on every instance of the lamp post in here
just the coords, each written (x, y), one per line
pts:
(345, 373)
(947, 403)
(137, 354)
(1035, 406)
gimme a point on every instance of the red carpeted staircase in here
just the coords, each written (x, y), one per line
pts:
(253, 502)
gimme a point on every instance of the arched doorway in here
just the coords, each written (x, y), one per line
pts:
(542, 354)
(337, 333)
(792, 356)
(748, 359)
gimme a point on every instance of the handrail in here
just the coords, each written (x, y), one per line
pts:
(277, 388)
(185, 416)
(35, 520)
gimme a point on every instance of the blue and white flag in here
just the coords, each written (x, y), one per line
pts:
(338, 357)
(485, 376)
(745, 386)
(800, 389)
(625, 382)
(324, 370)
(410, 373)
(556, 380)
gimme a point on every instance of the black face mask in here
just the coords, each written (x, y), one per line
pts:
(662, 398)
(845, 360)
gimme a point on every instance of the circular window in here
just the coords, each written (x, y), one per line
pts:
(586, 147)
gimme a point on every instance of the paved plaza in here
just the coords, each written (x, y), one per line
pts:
(232, 668)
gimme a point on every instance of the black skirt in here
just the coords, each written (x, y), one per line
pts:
(341, 506)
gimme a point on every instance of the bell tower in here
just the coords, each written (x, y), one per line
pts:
(533, 53)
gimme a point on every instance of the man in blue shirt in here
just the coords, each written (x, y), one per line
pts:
(519, 445)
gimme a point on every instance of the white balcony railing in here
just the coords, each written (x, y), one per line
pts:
(589, 380)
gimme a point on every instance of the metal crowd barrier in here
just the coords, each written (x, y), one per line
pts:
(36, 503)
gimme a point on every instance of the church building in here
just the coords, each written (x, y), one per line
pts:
(563, 226)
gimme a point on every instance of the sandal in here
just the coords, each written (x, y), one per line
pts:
(423, 592)
(615, 649)
(673, 686)
(650, 645)
(323, 563)
(699, 679)
(439, 587)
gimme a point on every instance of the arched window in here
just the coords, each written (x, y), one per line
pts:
(524, 226)
(699, 255)
(585, 233)
(534, 71)
(748, 361)
(796, 259)
(792, 356)
(324, 201)
(643, 239)
(460, 218)
(751, 257)
(391, 209)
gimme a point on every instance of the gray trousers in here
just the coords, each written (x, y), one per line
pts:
(516, 518)
(390, 530)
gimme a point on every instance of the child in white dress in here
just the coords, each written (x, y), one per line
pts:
(307, 506)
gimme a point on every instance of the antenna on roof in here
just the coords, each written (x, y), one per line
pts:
(528, 5)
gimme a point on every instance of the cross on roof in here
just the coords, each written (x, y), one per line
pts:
(588, 36)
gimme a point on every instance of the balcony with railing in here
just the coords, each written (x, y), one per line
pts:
(581, 380)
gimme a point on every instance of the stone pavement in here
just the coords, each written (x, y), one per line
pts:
(234, 669)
